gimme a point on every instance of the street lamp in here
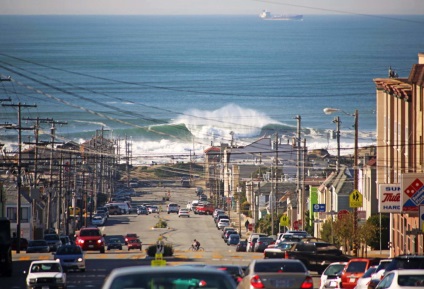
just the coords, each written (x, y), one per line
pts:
(329, 110)
(239, 190)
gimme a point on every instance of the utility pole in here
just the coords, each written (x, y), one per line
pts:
(298, 173)
(337, 122)
(355, 187)
(19, 181)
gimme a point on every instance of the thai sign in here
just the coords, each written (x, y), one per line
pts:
(389, 198)
(412, 194)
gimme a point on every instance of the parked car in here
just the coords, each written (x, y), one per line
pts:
(233, 239)
(354, 270)
(38, 246)
(400, 279)
(142, 210)
(241, 246)
(223, 223)
(406, 262)
(22, 241)
(53, 240)
(250, 243)
(379, 272)
(134, 244)
(228, 233)
(153, 209)
(71, 257)
(46, 274)
(330, 278)
(224, 230)
(184, 213)
(363, 282)
(262, 243)
(90, 239)
(279, 250)
(114, 243)
(276, 273)
(168, 277)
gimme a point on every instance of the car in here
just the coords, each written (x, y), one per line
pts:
(53, 240)
(354, 270)
(279, 250)
(363, 282)
(217, 212)
(379, 272)
(276, 273)
(223, 223)
(233, 239)
(22, 241)
(235, 271)
(65, 240)
(406, 262)
(172, 208)
(114, 243)
(98, 220)
(71, 257)
(291, 235)
(134, 244)
(228, 233)
(184, 213)
(332, 274)
(224, 230)
(250, 243)
(153, 209)
(142, 210)
(241, 246)
(90, 239)
(45, 274)
(262, 243)
(38, 246)
(398, 279)
(178, 277)
(130, 236)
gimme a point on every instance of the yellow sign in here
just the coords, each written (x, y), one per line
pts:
(284, 220)
(158, 263)
(355, 199)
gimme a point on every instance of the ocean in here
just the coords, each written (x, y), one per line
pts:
(174, 85)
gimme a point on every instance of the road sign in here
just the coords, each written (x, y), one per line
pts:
(412, 195)
(341, 214)
(319, 208)
(284, 220)
(355, 199)
(422, 218)
(296, 225)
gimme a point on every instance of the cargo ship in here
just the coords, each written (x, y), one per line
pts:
(266, 15)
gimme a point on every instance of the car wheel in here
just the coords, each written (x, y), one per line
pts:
(82, 270)
(102, 250)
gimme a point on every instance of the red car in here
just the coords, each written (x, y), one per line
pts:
(134, 244)
(130, 236)
(354, 270)
(90, 239)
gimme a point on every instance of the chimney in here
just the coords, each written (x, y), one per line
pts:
(421, 58)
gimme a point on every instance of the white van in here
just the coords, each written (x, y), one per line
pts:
(124, 207)
(192, 205)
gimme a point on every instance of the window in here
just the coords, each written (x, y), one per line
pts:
(12, 216)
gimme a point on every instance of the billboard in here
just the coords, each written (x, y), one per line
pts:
(412, 192)
(389, 198)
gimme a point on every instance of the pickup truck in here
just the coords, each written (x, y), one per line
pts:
(316, 255)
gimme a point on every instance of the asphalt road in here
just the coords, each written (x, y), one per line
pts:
(180, 233)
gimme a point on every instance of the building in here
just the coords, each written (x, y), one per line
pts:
(400, 132)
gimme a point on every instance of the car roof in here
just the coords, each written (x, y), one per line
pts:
(45, 261)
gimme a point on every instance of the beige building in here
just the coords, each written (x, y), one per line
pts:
(400, 130)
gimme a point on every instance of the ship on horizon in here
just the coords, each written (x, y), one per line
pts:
(266, 15)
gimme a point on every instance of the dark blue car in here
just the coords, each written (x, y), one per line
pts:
(233, 239)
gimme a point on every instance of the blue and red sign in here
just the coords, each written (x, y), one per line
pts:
(412, 192)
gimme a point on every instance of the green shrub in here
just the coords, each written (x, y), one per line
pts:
(161, 224)
(168, 250)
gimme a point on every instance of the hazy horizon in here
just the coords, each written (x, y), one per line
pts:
(209, 7)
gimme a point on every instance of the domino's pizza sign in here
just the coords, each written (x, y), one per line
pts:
(412, 186)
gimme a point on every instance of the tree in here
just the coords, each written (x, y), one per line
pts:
(385, 232)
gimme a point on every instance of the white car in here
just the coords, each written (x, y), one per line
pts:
(173, 208)
(153, 209)
(46, 274)
(184, 213)
(365, 279)
(402, 279)
(223, 223)
(330, 278)
(98, 220)
(381, 268)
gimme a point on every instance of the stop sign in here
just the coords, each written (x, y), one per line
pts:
(341, 214)
(296, 225)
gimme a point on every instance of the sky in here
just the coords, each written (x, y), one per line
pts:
(208, 7)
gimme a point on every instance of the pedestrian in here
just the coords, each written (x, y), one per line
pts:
(247, 225)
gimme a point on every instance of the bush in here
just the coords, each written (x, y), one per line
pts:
(161, 224)
(168, 250)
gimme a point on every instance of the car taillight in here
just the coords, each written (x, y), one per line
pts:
(256, 282)
(308, 283)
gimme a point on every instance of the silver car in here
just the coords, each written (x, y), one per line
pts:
(71, 257)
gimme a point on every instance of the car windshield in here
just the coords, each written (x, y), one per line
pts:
(37, 243)
(279, 267)
(51, 237)
(68, 250)
(85, 233)
(171, 281)
(113, 241)
(356, 267)
(285, 245)
(334, 269)
(46, 267)
(369, 272)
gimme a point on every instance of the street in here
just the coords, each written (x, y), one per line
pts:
(180, 233)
